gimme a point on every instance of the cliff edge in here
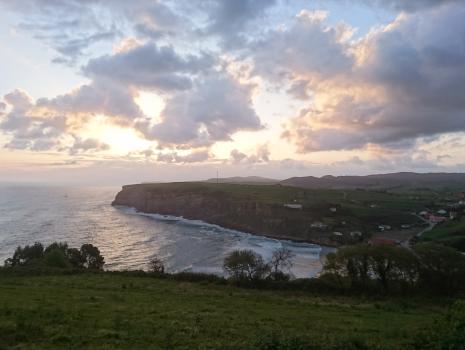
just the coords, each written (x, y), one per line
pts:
(255, 209)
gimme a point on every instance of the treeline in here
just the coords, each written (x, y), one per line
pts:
(57, 255)
(426, 267)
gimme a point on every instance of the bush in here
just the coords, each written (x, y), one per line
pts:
(57, 255)
(245, 265)
(156, 265)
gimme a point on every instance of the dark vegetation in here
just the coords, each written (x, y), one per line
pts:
(367, 298)
(57, 255)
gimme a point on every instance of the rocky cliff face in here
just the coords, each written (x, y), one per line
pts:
(221, 209)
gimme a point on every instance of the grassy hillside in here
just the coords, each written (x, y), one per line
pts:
(451, 233)
(109, 311)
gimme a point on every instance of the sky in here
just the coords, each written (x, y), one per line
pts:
(114, 92)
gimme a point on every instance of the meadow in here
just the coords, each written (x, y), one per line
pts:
(117, 311)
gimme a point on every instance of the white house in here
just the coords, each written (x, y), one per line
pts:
(293, 206)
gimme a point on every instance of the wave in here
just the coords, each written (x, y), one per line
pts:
(248, 239)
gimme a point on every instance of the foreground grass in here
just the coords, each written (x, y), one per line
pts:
(106, 311)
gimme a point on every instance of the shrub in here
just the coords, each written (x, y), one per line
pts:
(245, 265)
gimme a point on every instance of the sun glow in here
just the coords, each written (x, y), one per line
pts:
(151, 104)
(120, 139)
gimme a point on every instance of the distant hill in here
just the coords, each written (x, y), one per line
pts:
(404, 179)
(244, 180)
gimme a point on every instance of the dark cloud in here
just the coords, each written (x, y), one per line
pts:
(406, 81)
(211, 111)
(230, 20)
(407, 5)
(148, 66)
(99, 97)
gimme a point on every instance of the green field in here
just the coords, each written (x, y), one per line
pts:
(451, 233)
(111, 311)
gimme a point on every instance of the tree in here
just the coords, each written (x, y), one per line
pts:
(393, 265)
(92, 257)
(75, 258)
(245, 265)
(27, 255)
(361, 264)
(156, 265)
(281, 260)
(56, 258)
(440, 268)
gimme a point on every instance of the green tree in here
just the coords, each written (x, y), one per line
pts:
(245, 265)
(56, 258)
(91, 257)
(28, 255)
(441, 268)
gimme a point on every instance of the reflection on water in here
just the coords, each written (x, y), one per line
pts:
(128, 239)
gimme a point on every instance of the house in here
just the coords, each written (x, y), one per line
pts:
(436, 219)
(339, 234)
(379, 241)
(318, 224)
(384, 227)
(356, 234)
(333, 209)
(442, 212)
(405, 226)
(423, 213)
(294, 206)
(453, 215)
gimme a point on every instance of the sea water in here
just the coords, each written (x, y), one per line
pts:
(127, 238)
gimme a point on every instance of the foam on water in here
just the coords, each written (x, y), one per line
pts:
(127, 238)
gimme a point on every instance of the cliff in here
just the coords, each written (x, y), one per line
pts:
(255, 209)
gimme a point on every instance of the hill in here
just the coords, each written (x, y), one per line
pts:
(313, 215)
(379, 181)
(244, 180)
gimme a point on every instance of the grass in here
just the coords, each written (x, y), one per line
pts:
(451, 233)
(109, 311)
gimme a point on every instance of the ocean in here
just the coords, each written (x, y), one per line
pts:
(127, 239)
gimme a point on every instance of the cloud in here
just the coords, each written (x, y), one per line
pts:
(98, 97)
(148, 66)
(405, 81)
(407, 5)
(27, 130)
(69, 27)
(30, 127)
(231, 19)
(308, 49)
(85, 145)
(198, 156)
(261, 155)
(214, 109)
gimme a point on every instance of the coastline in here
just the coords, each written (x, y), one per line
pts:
(324, 249)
